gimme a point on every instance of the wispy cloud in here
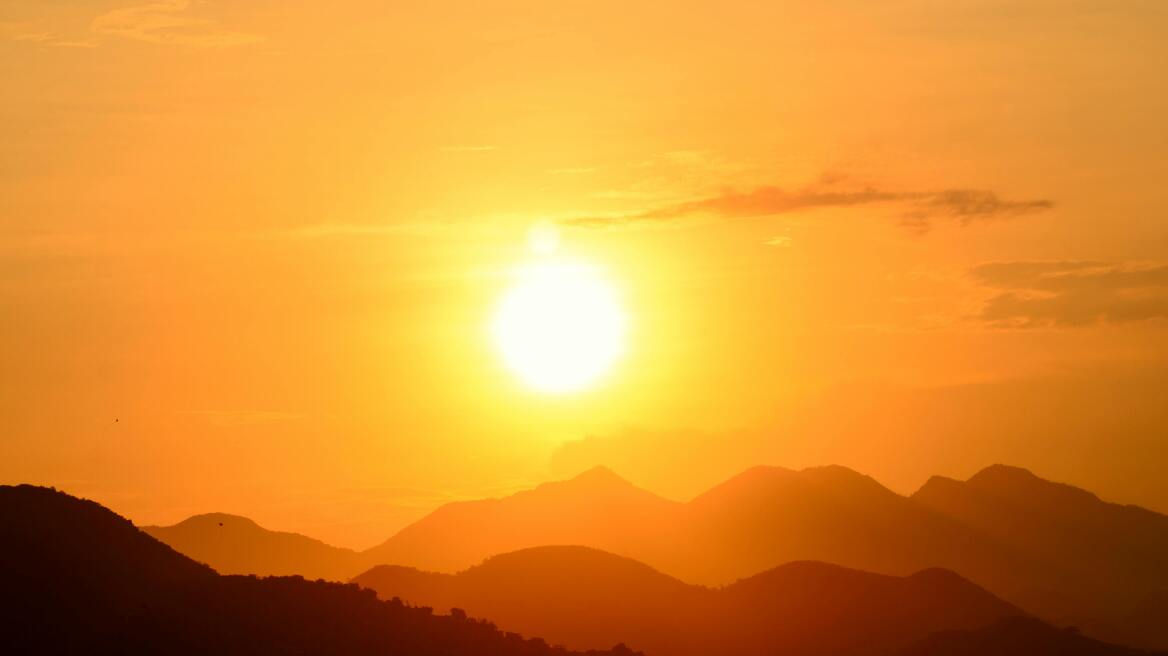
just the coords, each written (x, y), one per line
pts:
(1071, 293)
(966, 206)
(916, 209)
(168, 22)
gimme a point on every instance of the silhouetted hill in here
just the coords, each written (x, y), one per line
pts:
(1016, 636)
(1052, 549)
(584, 597)
(79, 579)
(1107, 564)
(771, 515)
(827, 609)
(237, 545)
(597, 508)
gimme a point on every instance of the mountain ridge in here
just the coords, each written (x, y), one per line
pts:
(80, 579)
(798, 608)
(1093, 563)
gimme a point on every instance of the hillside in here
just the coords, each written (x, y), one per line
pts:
(237, 545)
(1106, 565)
(584, 597)
(80, 579)
(1054, 550)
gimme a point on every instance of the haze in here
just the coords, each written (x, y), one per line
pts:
(249, 252)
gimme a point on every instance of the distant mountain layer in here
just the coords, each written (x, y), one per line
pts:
(1052, 549)
(237, 545)
(1104, 566)
(78, 579)
(584, 598)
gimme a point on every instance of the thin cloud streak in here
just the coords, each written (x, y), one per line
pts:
(919, 208)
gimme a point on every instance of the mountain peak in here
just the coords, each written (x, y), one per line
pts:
(1006, 479)
(841, 475)
(770, 480)
(600, 473)
(938, 485)
(999, 472)
(598, 480)
(561, 561)
(224, 520)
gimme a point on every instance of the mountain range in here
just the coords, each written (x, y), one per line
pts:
(582, 597)
(80, 579)
(1056, 551)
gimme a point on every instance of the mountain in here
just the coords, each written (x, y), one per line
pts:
(761, 518)
(1052, 549)
(237, 545)
(583, 598)
(1107, 563)
(771, 515)
(596, 508)
(79, 579)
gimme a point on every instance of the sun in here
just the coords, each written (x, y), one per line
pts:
(560, 326)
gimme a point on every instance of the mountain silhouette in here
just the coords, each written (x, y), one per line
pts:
(237, 545)
(1051, 549)
(597, 508)
(1106, 564)
(583, 598)
(79, 579)
(771, 515)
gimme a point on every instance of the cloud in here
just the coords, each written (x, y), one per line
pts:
(966, 206)
(168, 22)
(918, 208)
(1072, 293)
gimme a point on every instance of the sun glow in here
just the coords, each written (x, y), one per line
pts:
(560, 326)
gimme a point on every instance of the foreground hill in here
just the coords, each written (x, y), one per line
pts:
(584, 598)
(237, 545)
(80, 579)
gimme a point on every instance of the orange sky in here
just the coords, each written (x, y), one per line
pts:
(267, 238)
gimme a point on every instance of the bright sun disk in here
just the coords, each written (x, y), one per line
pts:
(560, 327)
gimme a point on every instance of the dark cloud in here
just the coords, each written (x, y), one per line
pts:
(917, 208)
(1074, 293)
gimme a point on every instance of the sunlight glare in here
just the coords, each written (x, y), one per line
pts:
(560, 327)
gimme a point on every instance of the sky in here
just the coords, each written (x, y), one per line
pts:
(250, 251)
